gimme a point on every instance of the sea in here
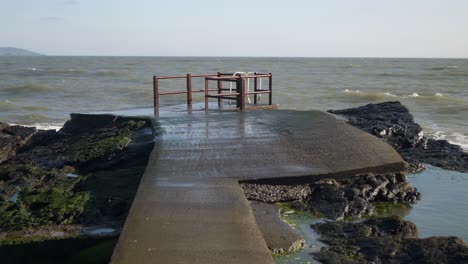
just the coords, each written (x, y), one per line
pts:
(43, 91)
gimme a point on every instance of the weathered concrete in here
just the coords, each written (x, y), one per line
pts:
(189, 207)
(279, 236)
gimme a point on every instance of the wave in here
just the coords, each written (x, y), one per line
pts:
(27, 89)
(454, 138)
(369, 95)
(42, 126)
(387, 96)
(64, 71)
(6, 105)
(444, 68)
(113, 74)
(36, 108)
(349, 66)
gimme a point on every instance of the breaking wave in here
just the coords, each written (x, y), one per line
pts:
(454, 138)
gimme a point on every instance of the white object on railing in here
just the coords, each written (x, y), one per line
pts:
(248, 83)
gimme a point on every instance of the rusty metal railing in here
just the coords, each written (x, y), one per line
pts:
(239, 96)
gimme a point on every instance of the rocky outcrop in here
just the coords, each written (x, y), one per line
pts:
(336, 199)
(73, 176)
(13, 138)
(392, 122)
(385, 240)
(271, 193)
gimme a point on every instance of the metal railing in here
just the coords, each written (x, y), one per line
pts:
(239, 96)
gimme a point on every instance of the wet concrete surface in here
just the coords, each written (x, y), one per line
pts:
(190, 208)
(279, 236)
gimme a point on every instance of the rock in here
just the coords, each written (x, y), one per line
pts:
(392, 122)
(269, 193)
(12, 138)
(106, 171)
(353, 196)
(279, 236)
(385, 240)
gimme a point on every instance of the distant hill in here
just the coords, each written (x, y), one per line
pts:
(10, 51)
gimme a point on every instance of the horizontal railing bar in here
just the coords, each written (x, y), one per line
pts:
(222, 97)
(184, 76)
(170, 77)
(184, 92)
(203, 75)
(258, 92)
(256, 76)
(168, 93)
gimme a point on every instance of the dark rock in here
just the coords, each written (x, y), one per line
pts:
(73, 176)
(269, 193)
(12, 138)
(385, 240)
(392, 122)
(353, 197)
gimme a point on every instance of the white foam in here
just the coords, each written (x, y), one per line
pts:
(351, 91)
(454, 138)
(42, 126)
(49, 126)
(439, 94)
(414, 95)
(389, 94)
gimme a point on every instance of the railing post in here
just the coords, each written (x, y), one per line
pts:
(242, 106)
(206, 94)
(189, 89)
(255, 87)
(270, 98)
(156, 94)
(220, 90)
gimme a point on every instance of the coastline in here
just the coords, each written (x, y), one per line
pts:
(303, 194)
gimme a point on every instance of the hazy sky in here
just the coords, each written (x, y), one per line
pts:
(325, 28)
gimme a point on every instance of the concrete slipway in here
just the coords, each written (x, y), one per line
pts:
(189, 207)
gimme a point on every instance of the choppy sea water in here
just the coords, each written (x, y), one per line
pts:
(44, 90)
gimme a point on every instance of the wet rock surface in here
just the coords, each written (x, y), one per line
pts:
(336, 199)
(392, 122)
(269, 193)
(385, 240)
(86, 173)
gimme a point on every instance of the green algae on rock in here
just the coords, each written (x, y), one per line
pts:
(86, 173)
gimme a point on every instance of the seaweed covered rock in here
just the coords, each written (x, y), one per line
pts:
(392, 122)
(354, 196)
(385, 240)
(96, 142)
(87, 172)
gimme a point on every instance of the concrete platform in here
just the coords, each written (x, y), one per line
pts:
(189, 207)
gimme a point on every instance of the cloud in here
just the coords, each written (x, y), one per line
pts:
(70, 2)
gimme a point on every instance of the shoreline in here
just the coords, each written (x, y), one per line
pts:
(296, 193)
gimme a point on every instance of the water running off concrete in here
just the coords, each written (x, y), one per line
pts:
(189, 207)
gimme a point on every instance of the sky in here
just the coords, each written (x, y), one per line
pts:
(294, 28)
